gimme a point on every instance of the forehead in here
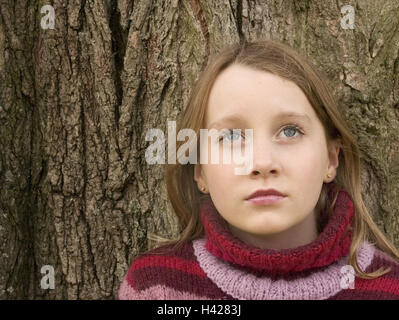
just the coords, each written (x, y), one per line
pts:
(240, 92)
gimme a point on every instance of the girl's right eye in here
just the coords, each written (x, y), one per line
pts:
(228, 134)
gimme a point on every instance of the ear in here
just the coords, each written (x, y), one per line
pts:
(333, 156)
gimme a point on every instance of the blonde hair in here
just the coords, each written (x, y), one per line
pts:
(279, 59)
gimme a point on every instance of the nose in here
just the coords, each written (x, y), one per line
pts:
(265, 162)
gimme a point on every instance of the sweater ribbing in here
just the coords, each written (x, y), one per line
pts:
(196, 270)
(242, 285)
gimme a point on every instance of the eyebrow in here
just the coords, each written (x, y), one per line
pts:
(236, 118)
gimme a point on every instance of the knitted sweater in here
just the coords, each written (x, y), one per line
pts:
(220, 266)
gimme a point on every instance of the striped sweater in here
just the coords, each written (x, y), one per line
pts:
(219, 266)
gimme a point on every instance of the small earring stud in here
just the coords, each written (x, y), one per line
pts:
(328, 175)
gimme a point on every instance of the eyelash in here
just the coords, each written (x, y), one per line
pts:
(290, 126)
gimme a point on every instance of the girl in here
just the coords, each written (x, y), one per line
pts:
(295, 226)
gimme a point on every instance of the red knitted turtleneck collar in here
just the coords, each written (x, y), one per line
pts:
(331, 244)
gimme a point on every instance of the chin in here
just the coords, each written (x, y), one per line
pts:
(267, 224)
(264, 231)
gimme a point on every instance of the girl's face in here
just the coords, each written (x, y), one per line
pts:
(290, 155)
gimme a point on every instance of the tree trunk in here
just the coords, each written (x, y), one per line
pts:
(76, 102)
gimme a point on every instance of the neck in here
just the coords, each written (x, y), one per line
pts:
(301, 234)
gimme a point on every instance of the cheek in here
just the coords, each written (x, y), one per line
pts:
(220, 177)
(219, 173)
(310, 162)
(223, 170)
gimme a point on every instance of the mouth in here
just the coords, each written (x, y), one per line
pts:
(266, 197)
(266, 200)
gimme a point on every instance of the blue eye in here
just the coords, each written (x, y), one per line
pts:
(229, 134)
(292, 129)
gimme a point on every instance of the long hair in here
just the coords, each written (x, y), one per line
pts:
(281, 60)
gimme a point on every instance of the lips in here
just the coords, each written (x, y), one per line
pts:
(265, 193)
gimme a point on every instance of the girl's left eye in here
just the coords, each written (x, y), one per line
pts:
(292, 128)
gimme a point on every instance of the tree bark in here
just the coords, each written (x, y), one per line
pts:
(76, 102)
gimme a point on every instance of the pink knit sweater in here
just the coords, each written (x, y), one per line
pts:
(220, 266)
